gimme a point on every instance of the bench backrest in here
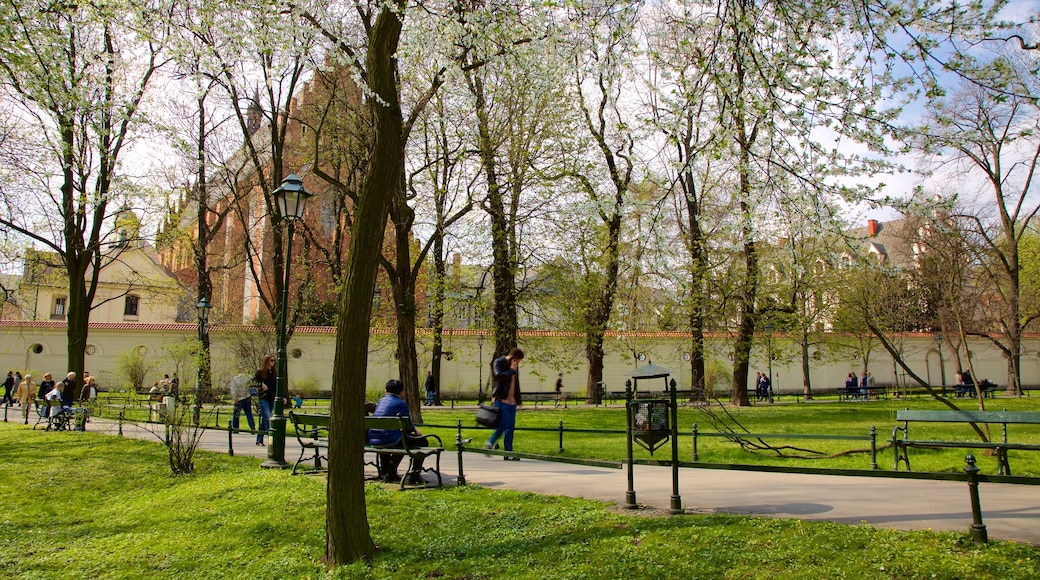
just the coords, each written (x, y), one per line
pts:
(403, 424)
(309, 424)
(950, 416)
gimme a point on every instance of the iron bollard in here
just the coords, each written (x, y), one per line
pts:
(230, 429)
(696, 457)
(978, 529)
(459, 444)
(873, 447)
(560, 450)
(120, 423)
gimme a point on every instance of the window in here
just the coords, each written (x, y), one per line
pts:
(59, 308)
(130, 306)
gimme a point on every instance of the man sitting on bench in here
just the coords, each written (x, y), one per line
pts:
(392, 405)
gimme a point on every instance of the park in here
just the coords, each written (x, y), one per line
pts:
(775, 267)
(121, 514)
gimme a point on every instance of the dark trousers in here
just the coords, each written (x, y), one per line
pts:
(389, 462)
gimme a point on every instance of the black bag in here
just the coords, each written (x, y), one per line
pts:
(487, 415)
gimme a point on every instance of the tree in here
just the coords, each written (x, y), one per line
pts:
(598, 83)
(996, 137)
(78, 73)
(347, 532)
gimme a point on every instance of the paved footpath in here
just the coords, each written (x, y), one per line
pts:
(1010, 512)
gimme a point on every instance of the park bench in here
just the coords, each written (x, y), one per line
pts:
(59, 418)
(968, 390)
(406, 448)
(312, 432)
(902, 444)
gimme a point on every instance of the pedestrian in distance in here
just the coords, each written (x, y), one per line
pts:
(46, 385)
(9, 385)
(89, 390)
(266, 385)
(241, 392)
(431, 389)
(26, 391)
(506, 397)
(68, 391)
(559, 390)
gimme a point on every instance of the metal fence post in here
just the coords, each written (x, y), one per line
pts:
(978, 529)
(560, 450)
(230, 429)
(696, 457)
(459, 443)
(873, 447)
(630, 494)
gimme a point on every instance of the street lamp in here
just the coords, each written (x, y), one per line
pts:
(290, 197)
(769, 354)
(942, 367)
(480, 367)
(204, 308)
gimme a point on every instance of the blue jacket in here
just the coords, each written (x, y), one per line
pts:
(389, 406)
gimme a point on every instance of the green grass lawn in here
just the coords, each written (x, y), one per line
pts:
(847, 418)
(831, 418)
(86, 505)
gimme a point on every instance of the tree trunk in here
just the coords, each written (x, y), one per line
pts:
(594, 355)
(348, 538)
(503, 267)
(806, 381)
(403, 281)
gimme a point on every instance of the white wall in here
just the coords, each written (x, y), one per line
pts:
(547, 354)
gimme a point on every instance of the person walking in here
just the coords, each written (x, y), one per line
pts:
(46, 385)
(9, 384)
(559, 391)
(68, 391)
(431, 389)
(89, 390)
(242, 397)
(25, 396)
(265, 379)
(506, 397)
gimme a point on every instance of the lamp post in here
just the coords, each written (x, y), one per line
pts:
(204, 308)
(480, 368)
(769, 355)
(290, 197)
(942, 367)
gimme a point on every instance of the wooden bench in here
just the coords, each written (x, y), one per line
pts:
(404, 446)
(312, 432)
(902, 444)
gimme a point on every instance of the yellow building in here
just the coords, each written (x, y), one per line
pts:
(132, 287)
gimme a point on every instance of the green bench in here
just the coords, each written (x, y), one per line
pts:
(312, 432)
(407, 448)
(901, 444)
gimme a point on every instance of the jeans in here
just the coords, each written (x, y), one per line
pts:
(265, 419)
(506, 424)
(244, 406)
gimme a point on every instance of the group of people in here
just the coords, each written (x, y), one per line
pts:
(262, 386)
(966, 384)
(23, 391)
(861, 386)
(762, 386)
